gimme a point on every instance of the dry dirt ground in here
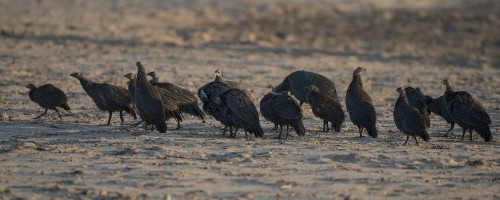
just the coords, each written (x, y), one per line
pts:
(401, 43)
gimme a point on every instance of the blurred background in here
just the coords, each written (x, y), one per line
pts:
(440, 32)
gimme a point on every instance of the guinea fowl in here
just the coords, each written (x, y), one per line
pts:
(241, 110)
(149, 101)
(325, 107)
(438, 106)
(265, 108)
(131, 85)
(188, 103)
(49, 97)
(108, 97)
(408, 119)
(467, 112)
(359, 106)
(282, 110)
(298, 80)
(416, 98)
(208, 94)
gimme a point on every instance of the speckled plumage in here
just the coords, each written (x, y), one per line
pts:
(408, 119)
(49, 97)
(241, 110)
(298, 80)
(359, 106)
(468, 112)
(416, 98)
(282, 109)
(438, 106)
(187, 101)
(325, 107)
(149, 101)
(108, 97)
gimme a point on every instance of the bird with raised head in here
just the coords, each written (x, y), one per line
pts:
(49, 97)
(408, 119)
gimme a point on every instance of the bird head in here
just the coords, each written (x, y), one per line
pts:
(31, 86)
(400, 90)
(76, 75)
(218, 73)
(129, 76)
(152, 74)
(203, 95)
(359, 70)
(445, 82)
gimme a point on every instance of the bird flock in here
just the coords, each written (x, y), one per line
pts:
(231, 104)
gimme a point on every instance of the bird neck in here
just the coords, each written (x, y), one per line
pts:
(218, 79)
(356, 81)
(402, 97)
(449, 88)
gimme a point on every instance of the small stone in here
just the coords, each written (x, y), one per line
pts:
(4, 116)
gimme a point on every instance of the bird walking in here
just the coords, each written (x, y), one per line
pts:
(148, 101)
(360, 107)
(326, 107)
(108, 97)
(408, 119)
(49, 97)
(283, 110)
(467, 112)
(298, 80)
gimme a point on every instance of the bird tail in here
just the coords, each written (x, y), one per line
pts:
(424, 135)
(161, 126)
(256, 130)
(485, 133)
(193, 110)
(298, 126)
(66, 106)
(372, 131)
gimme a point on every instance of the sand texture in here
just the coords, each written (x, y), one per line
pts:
(258, 43)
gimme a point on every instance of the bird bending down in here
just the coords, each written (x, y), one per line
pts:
(467, 112)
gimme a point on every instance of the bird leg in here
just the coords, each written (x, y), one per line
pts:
(281, 130)
(57, 111)
(451, 128)
(121, 116)
(287, 131)
(463, 135)
(275, 127)
(225, 129)
(246, 135)
(41, 114)
(470, 131)
(178, 124)
(407, 138)
(326, 128)
(109, 119)
(360, 131)
(416, 140)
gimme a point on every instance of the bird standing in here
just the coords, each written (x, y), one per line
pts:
(49, 97)
(467, 112)
(438, 106)
(148, 101)
(359, 106)
(408, 119)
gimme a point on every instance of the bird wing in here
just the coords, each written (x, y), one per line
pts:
(468, 109)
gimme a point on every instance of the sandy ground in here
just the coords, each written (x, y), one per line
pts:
(401, 43)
